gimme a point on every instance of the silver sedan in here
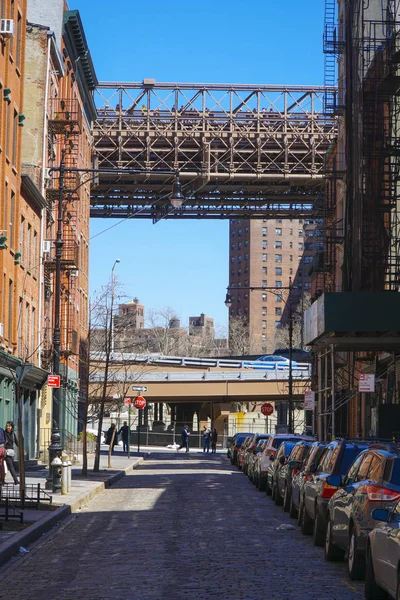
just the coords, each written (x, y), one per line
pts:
(383, 556)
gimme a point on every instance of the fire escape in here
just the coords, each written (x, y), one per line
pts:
(64, 128)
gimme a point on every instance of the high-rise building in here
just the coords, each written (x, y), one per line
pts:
(271, 254)
(201, 326)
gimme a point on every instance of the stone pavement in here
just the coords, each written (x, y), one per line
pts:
(179, 526)
(82, 490)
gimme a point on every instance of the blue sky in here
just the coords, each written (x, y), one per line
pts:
(185, 265)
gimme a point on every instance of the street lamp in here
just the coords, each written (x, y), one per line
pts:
(273, 290)
(117, 260)
(177, 198)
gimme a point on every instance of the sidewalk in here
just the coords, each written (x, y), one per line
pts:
(13, 535)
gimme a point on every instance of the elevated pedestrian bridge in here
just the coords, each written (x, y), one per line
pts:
(254, 151)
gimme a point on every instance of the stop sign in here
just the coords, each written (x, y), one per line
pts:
(139, 402)
(267, 409)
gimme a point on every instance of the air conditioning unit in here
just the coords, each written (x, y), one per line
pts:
(46, 173)
(7, 28)
(1, 330)
(46, 246)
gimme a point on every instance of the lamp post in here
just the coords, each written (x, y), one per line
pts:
(274, 290)
(117, 260)
(55, 448)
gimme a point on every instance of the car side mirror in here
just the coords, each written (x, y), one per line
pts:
(282, 460)
(380, 514)
(334, 480)
(313, 467)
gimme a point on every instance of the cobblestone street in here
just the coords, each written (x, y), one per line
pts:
(181, 526)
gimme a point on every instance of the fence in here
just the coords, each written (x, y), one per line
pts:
(72, 445)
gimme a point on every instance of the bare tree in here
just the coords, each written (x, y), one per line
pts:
(282, 333)
(241, 339)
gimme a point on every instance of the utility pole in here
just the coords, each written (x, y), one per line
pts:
(290, 390)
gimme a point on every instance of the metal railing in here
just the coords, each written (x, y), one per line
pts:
(72, 445)
(34, 495)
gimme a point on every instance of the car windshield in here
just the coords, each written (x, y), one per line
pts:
(278, 441)
(350, 454)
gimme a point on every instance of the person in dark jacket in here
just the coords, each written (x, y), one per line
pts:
(110, 435)
(10, 442)
(185, 438)
(214, 439)
(124, 431)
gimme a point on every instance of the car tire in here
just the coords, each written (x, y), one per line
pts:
(292, 509)
(318, 532)
(286, 500)
(268, 490)
(356, 560)
(260, 485)
(306, 523)
(372, 591)
(332, 552)
(278, 498)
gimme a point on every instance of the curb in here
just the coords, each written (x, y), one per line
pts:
(11, 547)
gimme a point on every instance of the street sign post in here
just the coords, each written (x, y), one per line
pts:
(139, 402)
(53, 381)
(267, 409)
(139, 388)
(309, 400)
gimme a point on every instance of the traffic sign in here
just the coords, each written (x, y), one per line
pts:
(53, 381)
(139, 402)
(127, 401)
(309, 400)
(139, 388)
(366, 382)
(267, 409)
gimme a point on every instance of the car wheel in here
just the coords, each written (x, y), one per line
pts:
(372, 591)
(306, 523)
(268, 490)
(356, 560)
(292, 509)
(278, 497)
(286, 500)
(318, 533)
(261, 484)
(332, 552)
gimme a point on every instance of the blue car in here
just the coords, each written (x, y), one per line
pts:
(270, 363)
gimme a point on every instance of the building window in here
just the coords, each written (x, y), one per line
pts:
(318, 233)
(265, 270)
(263, 337)
(264, 258)
(14, 140)
(307, 286)
(278, 220)
(239, 232)
(264, 283)
(278, 324)
(278, 244)
(300, 233)
(8, 127)
(309, 233)
(246, 242)
(318, 245)
(233, 259)
(290, 231)
(5, 210)
(264, 297)
(278, 270)
(308, 259)
(278, 298)
(264, 311)
(18, 49)
(21, 239)
(264, 244)
(308, 221)
(239, 245)
(278, 231)
(239, 271)
(291, 258)
(278, 283)
(300, 246)
(309, 246)
(239, 258)
(233, 233)
(246, 230)
(290, 271)
(12, 217)
(264, 324)
(278, 311)
(278, 258)
(246, 256)
(246, 269)
(264, 231)
(10, 311)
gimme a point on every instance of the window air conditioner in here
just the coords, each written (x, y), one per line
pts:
(46, 246)
(7, 28)
(1, 330)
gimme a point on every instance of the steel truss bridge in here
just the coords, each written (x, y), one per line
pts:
(250, 151)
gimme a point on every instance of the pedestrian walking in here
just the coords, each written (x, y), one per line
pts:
(184, 438)
(109, 436)
(124, 431)
(206, 438)
(10, 440)
(214, 439)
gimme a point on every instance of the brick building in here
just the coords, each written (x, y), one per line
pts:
(269, 253)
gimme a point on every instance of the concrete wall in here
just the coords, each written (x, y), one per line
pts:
(49, 13)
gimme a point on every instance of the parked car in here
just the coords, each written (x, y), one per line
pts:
(255, 447)
(275, 471)
(270, 449)
(372, 481)
(293, 464)
(241, 452)
(256, 457)
(337, 458)
(302, 475)
(383, 555)
(237, 441)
